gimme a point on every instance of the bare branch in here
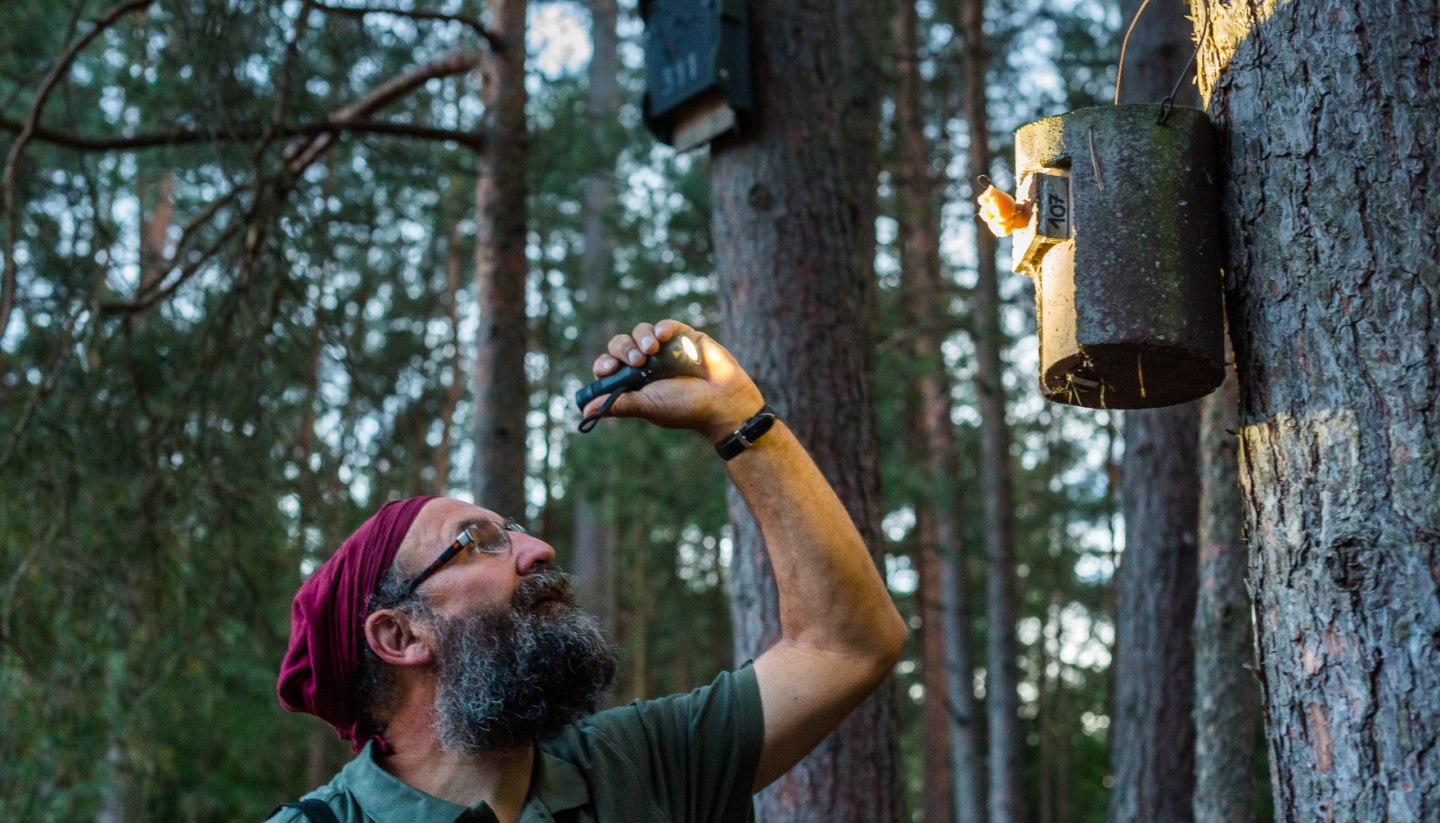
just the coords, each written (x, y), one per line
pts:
(388, 92)
(361, 12)
(151, 140)
(32, 121)
(300, 155)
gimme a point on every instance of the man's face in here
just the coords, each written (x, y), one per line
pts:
(517, 660)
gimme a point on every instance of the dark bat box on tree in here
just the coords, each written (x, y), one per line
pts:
(1123, 245)
(697, 69)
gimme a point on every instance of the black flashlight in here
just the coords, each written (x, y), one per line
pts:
(678, 356)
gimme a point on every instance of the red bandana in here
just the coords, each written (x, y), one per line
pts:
(320, 673)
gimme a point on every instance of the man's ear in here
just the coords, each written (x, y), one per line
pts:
(392, 637)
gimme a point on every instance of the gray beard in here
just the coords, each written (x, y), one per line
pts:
(520, 673)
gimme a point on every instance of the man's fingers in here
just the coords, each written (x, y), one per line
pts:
(666, 329)
(644, 334)
(605, 364)
(632, 349)
(626, 350)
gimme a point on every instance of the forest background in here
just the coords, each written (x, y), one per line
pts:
(243, 247)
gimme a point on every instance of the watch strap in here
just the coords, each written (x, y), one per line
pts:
(749, 432)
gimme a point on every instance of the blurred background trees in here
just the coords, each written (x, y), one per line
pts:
(243, 246)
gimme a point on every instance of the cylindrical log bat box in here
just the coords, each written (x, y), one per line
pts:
(1123, 244)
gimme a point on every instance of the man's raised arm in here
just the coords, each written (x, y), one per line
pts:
(840, 632)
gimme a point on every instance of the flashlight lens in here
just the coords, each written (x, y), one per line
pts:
(690, 351)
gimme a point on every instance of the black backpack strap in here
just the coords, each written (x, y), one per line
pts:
(316, 811)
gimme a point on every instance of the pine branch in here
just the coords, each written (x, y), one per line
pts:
(59, 70)
(151, 140)
(362, 11)
(299, 156)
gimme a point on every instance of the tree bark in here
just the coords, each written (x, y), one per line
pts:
(155, 231)
(501, 189)
(1333, 195)
(1152, 750)
(1001, 601)
(594, 536)
(440, 458)
(794, 230)
(1227, 698)
(1152, 737)
(953, 769)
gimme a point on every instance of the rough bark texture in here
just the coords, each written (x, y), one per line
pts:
(953, 769)
(1328, 110)
(794, 214)
(1001, 601)
(501, 395)
(594, 537)
(1152, 738)
(1152, 734)
(1227, 695)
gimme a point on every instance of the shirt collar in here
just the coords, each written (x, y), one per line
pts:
(384, 796)
(557, 783)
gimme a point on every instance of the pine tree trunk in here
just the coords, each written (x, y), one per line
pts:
(936, 790)
(1227, 698)
(1152, 733)
(919, 272)
(154, 237)
(1152, 737)
(440, 458)
(966, 747)
(950, 748)
(501, 392)
(794, 230)
(1329, 113)
(1001, 601)
(594, 541)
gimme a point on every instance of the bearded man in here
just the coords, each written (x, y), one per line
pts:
(462, 672)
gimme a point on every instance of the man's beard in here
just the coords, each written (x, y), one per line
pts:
(518, 673)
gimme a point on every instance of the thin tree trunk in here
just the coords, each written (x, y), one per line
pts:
(440, 458)
(794, 230)
(1227, 697)
(1002, 611)
(1333, 196)
(1152, 734)
(966, 747)
(155, 237)
(1152, 748)
(954, 779)
(1045, 721)
(155, 232)
(936, 790)
(594, 536)
(501, 189)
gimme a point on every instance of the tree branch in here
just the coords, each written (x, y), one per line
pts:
(299, 156)
(361, 12)
(150, 140)
(32, 121)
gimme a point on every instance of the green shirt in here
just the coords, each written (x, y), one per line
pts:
(689, 757)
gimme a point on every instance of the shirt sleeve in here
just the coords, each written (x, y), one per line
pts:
(698, 751)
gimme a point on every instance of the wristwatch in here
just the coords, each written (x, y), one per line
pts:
(749, 432)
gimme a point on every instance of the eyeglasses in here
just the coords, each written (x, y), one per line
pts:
(481, 536)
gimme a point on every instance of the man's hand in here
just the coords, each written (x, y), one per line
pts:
(713, 405)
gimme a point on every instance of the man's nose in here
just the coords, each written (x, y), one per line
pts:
(532, 553)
